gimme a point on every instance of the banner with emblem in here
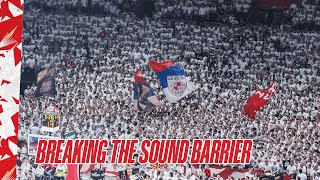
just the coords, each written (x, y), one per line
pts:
(33, 140)
(175, 84)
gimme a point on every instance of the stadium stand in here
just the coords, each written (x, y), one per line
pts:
(95, 57)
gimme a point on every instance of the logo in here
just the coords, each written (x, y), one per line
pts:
(177, 84)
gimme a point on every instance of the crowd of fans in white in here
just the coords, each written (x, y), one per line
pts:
(201, 8)
(228, 63)
(221, 10)
(307, 12)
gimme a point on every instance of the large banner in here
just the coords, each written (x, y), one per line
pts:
(46, 84)
(223, 171)
(226, 172)
(11, 12)
(33, 140)
(110, 169)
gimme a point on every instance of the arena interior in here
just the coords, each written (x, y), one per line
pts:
(228, 48)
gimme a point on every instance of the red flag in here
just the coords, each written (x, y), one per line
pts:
(257, 101)
(143, 94)
(138, 77)
(73, 172)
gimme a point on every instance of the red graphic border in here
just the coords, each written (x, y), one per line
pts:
(11, 25)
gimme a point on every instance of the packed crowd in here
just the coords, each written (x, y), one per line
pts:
(228, 63)
(111, 7)
(203, 8)
(306, 14)
(221, 10)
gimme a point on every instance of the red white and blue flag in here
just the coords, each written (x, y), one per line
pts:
(143, 96)
(258, 100)
(174, 82)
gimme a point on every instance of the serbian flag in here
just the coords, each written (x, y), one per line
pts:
(174, 82)
(143, 96)
(258, 100)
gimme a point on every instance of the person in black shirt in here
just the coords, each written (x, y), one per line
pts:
(136, 165)
(171, 176)
(97, 173)
(19, 162)
(143, 175)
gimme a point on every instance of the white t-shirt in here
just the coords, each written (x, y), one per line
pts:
(291, 169)
(268, 167)
(302, 176)
(312, 173)
(25, 167)
(39, 171)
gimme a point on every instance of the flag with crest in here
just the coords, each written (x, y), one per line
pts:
(175, 84)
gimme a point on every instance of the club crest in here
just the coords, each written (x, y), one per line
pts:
(177, 84)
